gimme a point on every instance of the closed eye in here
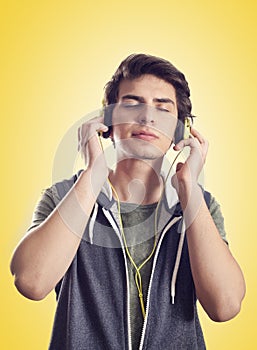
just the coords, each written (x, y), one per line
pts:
(133, 104)
(163, 109)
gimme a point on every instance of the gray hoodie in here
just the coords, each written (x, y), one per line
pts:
(93, 308)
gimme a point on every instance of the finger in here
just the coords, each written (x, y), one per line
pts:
(100, 127)
(88, 130)
(89, 124)
(199, 137)
(79, 138)
(191, 142)
(202, 140)
(97, 119)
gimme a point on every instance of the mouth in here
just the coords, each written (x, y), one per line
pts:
(144, 135)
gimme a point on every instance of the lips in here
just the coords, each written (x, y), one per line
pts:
(144, 135)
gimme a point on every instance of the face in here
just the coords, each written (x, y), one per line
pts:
(144, 118)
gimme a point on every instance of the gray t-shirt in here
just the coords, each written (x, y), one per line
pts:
(137, 219)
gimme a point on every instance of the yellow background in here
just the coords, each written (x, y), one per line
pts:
(56, 57)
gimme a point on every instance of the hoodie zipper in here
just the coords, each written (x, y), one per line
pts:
(166, 228)
(117, 231)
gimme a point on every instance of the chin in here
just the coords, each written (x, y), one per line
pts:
(139, 150)
(148, 156)
(140, 153)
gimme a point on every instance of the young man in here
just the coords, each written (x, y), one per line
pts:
(128, 250)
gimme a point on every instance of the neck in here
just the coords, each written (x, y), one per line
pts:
(137, 181)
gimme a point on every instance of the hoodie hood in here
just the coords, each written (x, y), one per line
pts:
(170, 196)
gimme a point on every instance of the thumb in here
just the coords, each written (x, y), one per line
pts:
(174, 179)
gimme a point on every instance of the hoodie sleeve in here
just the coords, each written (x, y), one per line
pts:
(217, 217)
(46, 204)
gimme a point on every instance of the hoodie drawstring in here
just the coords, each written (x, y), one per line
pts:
(177, 262)
(179, 251)
(92, 223)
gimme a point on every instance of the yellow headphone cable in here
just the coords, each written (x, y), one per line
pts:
(138, 278)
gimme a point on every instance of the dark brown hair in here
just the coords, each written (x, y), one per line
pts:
(137, 65)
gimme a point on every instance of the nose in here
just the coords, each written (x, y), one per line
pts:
(146, 115)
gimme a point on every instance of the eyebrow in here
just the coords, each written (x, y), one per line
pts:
(142, 100)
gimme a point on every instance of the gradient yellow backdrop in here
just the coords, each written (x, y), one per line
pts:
(56, 57)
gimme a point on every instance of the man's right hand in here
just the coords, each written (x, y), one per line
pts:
(88, 143)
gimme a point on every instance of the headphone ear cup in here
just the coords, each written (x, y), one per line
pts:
(108, 119)
(179, 132)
